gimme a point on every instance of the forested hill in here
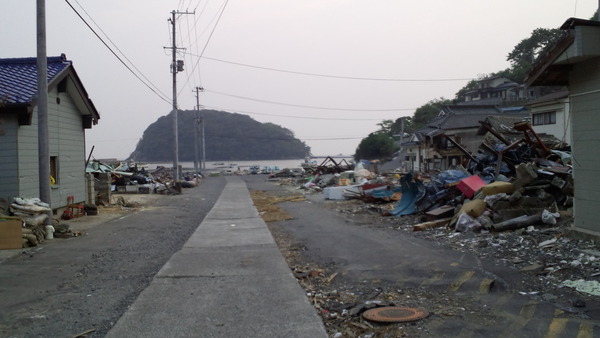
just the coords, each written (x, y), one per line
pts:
(228, 137)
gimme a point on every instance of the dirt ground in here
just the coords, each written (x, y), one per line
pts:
(121, 205)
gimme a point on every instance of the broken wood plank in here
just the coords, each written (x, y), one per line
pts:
(433, 224)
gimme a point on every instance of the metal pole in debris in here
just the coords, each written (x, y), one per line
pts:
(42, 106)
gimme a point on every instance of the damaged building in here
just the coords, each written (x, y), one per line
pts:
(574, 62)
(451, 138)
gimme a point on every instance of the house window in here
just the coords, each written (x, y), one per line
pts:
(449, 144)
(54, 170)
(544, 118)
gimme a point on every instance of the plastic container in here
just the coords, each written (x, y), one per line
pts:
(49, 232)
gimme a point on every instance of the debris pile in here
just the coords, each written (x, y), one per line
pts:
(328, 166)
(131, 177)
(33, 213)
(511, 203)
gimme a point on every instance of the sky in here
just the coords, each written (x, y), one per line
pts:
(328, 70)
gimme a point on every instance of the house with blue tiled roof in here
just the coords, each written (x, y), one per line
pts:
(70, 113)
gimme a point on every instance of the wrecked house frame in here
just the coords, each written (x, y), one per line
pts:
(451, 138)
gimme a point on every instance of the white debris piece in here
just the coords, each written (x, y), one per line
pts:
(547, 243)
(592, 287)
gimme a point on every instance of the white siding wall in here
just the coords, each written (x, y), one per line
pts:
(66, 142)
(562, 128)
(9, 186)
(585, 115)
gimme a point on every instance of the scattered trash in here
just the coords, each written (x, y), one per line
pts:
(591, 287)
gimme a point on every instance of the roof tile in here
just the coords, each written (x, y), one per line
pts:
(18, 77)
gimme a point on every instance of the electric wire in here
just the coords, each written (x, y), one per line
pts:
(290, 116)
(208, 40)
(305, 106)
(157, 92)
(198, 4)
(113, 140)
(329, 75)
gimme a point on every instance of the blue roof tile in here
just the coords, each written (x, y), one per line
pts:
(18, 77)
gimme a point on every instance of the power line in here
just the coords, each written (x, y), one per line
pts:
(291, 116)
(333, 138)
(304, 106)
(332, 76)
(208, 40)
(157, 92)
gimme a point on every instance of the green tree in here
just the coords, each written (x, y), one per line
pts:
(228, 137)
(460, 95)
(525, 53)
(521, 58)
(397, 129)
(376, 146)
(426, 112)
(385, 126)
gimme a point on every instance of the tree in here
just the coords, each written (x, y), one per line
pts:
(460, 95)
(426, 112)
(525, 53)
(375, 146)
(396, 128)
(385, 126)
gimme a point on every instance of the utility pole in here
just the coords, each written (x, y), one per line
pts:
(203, 147)
(197, 121)
(402, 132)
(176, 66)
(42, 106)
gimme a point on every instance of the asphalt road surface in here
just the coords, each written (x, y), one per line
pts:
(466, 296)
(84, 284)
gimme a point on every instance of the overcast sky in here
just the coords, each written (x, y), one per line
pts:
(329, 70)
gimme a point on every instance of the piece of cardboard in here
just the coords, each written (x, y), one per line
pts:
(10, 234)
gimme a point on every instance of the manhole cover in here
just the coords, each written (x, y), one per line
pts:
(395, 314)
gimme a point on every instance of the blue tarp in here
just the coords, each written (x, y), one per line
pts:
(410, 194)
(382, 194)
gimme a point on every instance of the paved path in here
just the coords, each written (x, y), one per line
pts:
(228, 280)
